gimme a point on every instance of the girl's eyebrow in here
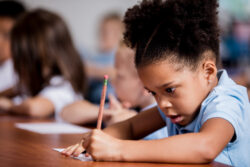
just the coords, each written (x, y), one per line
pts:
(165, 84)
(162, 86)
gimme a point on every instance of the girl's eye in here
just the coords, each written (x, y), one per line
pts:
(170, 90)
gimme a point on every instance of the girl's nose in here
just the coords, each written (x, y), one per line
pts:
(163, 102)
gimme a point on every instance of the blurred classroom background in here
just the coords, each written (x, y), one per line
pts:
(84, 16)
(235, 39)
(84, 19)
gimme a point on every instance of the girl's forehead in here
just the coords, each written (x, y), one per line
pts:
(164, 72)
(159, 66)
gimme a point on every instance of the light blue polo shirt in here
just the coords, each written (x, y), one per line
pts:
(228, 101)
(158, 134)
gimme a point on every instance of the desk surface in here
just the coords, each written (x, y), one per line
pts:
(23, 148)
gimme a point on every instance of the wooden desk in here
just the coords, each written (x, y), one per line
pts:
(25, 149)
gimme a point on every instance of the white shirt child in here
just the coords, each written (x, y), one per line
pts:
(59, 92)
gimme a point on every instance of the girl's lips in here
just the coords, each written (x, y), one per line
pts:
(176, 119)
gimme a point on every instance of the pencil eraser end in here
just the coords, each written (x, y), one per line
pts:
(106, 76)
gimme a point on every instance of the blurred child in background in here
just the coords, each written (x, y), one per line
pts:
(129, 90)
(49, 68)
(109, 35)
(9, 12)
(82, 112)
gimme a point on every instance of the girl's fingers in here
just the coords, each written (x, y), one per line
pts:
(85, 142)
(71, 150)
(78, 148)
(66, 149)
(78, 151)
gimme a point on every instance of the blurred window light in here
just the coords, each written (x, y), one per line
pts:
(239, 9)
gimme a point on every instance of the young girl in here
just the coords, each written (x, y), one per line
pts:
(49, 68)
(207, 114)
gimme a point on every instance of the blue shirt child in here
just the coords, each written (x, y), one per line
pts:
(228, 101)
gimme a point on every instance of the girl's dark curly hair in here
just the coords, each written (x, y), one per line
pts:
(178, 29)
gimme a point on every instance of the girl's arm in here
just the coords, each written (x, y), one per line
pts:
(199, 147)
(138, 126)
(34, 107)
(202, 147)
(134, 128)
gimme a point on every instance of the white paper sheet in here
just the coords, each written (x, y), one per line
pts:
(80, 157)
(52, 128)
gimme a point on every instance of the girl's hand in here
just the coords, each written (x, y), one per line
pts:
(99, 145)
(103, 147)
(5, 104)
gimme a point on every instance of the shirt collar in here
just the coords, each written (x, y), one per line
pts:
(188, 128)
(223, 78)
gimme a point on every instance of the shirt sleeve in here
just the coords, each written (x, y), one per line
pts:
(60, 95)
(228, 108)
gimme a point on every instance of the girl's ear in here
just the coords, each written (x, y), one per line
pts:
(209, 70)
